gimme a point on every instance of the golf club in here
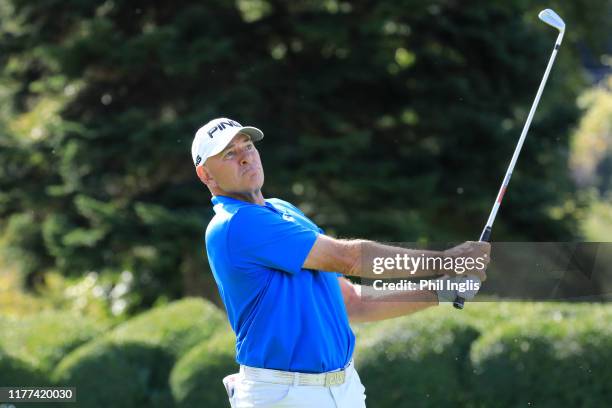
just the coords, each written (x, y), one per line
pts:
(551, 18)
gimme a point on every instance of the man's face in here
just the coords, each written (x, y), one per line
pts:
(237, 169)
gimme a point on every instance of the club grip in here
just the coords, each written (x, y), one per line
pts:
(484, 237)
(486, 234)
(459, 303)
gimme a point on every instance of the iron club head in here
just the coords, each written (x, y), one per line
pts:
(552, 19)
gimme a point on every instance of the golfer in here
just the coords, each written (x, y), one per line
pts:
(281, 280)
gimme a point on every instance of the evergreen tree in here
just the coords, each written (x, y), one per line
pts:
(390, 120)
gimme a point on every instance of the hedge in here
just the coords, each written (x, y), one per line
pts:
(487, 316)
(135, 358)
(489, 355)
(42, 340)
(16, 372)
(539, 361)
(440, 356)
(421, 360)
(175, 327)
(108, 374)
(196, 378)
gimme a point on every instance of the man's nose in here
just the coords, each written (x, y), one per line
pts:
(245, 157)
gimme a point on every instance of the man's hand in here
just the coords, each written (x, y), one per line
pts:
(479, 252)
(466, 287)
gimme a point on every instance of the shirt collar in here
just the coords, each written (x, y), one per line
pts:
(225, 200)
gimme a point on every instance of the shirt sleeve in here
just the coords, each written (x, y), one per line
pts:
(262, 237)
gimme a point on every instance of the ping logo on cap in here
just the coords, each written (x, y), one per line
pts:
(222, 125)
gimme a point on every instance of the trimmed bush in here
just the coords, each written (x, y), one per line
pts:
(196, 378)
(546, 362)
(128, 374)
(487, 316)
(15, 372)
(419, 360)
(134, 360)
(176, 327)
(42, 340)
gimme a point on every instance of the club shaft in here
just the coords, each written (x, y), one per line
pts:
(486, 232)
(519, 145)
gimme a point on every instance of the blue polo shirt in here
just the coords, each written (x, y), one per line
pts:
(285, 317)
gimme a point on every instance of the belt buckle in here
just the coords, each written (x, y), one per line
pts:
(335, 378)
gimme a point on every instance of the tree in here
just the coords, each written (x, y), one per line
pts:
(390, 120)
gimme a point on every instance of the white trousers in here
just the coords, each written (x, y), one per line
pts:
(259, 394)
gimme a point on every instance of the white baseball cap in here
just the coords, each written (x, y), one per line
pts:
(212, 138)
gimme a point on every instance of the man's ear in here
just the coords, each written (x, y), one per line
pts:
(205, 176)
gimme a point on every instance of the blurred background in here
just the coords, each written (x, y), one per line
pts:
(386, 120)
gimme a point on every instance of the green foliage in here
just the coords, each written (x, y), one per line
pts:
(176, 327)
(486, 316)
(196, 378)
(144, 349)
(43, 339)
(13, 300)
(591, 154)
(549, 363)
(591, 160)
(15, 372)
(383, 120)
(128, 374)
(421, 359)
(597, 222)
(100, 297)
(23, 243)
(490, 355)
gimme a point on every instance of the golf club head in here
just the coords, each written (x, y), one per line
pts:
(552, 19)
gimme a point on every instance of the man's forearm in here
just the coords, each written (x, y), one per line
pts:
(387, 305)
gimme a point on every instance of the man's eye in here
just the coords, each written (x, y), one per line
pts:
(249, 146)
(229, 154)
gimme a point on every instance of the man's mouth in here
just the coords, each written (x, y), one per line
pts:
(250, 169)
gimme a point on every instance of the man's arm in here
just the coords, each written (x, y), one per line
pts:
(357, 257)
(361, 308)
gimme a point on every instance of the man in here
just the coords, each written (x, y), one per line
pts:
(290, 316)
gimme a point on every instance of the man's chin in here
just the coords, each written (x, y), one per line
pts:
(255, 178)
(256, 185)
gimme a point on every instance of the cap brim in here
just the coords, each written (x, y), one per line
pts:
(254, 133)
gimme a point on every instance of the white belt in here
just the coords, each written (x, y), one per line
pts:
(329, 379)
